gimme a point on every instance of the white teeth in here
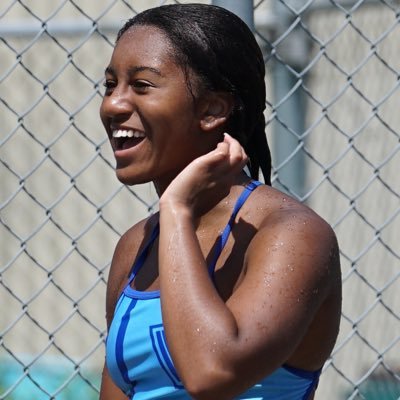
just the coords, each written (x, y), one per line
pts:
(117, 133)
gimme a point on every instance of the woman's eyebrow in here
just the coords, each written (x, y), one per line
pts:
(109, 70)
(133, 70)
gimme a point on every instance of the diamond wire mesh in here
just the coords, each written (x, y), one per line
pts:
(333, 64)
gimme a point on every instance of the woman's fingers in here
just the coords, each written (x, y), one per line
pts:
(237, 155)
(226, 159)
(212, 171)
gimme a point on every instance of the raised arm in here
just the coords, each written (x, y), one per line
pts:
(222, 348)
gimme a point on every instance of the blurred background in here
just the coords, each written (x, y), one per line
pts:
(333, 121)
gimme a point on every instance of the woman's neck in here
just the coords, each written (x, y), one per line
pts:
(218, 205)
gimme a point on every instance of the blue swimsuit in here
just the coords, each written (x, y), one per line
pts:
(137, 353)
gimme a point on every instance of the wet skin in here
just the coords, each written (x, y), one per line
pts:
(277, 292)
(146, 91)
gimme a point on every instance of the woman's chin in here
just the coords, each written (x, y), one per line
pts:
(130, 179)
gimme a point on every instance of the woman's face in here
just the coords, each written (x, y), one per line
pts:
(148, 112)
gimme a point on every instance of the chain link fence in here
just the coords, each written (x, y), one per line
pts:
(334, 125)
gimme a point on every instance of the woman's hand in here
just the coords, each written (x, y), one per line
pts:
(208, 178)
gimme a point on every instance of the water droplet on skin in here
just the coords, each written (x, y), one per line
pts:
(271, 249)
(213, 348)
(267, 281)
(290, 227)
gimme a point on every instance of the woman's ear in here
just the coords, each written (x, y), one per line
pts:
(215, 110)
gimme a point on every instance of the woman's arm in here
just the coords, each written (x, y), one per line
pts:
(220, 349)
(124, 254)
(108, 389)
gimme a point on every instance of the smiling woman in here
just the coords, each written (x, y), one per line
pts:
(146, 93)
(233, 289)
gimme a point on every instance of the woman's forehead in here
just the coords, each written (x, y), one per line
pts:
(148, 46)
(145, 43)
(148, 37)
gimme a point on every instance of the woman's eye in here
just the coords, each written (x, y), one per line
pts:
(141, 86)
(109, 85)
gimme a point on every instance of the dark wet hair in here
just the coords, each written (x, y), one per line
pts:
(222, 51)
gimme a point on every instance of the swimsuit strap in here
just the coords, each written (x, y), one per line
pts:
(223, 238)
(143, 254)
(221, 241)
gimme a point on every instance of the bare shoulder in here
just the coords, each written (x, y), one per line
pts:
(290, 232)
(292, 281)
(124, 256)
(283, 214)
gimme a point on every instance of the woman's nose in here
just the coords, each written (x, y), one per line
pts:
(117, 104)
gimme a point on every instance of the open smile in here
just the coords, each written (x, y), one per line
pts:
(123, 139)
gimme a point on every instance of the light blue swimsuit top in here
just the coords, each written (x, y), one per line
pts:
(137, 353)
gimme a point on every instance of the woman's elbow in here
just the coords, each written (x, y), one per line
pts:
(210, 384)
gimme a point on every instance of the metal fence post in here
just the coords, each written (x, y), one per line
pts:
(289, 125)
(242, 8)
(290, 113)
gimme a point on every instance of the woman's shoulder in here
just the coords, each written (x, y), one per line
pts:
(294, 226)
(124, 256)
(298, 251)
(135, 235)
(280, 211)
(130, 244)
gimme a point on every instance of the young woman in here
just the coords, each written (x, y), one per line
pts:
(233, 289)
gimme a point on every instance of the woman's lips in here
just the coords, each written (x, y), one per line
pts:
(126, 138)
